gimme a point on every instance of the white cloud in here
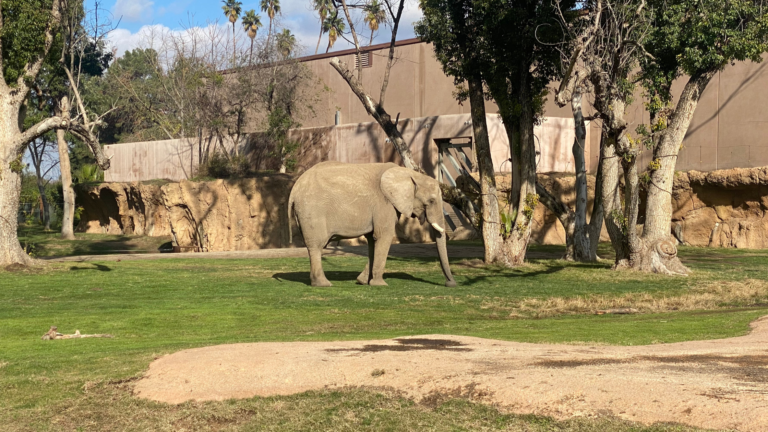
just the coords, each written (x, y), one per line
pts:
(123, 40)
(297, 16)
(133, 10)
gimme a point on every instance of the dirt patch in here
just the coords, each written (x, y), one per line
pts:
(714, 384)
(16, 268)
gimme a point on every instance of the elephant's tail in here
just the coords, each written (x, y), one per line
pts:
(290, 218)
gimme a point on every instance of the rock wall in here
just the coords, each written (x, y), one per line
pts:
(727, 208)
(123, 208)
(220, 215)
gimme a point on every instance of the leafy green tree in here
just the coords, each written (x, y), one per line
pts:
(134, 82)
(603, 51)
(323, 7)
(251, 24)
(506, 46)
(449, 26)
(286, 43)
(334, 26)
(232, 10)
(272, 8)
(374, 15)
(691, 40)
(29, 29)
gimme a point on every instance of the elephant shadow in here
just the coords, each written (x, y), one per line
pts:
(344, 276)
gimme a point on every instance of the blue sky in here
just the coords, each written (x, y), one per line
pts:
(137, 17)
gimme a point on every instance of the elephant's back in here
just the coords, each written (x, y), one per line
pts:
(337, 183)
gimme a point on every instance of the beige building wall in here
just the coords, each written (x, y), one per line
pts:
(729, 128)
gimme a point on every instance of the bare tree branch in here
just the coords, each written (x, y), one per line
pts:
(354, 36)
(391, 55)
(38, 130)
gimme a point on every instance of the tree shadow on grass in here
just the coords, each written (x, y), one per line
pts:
(512, 274)
(344, 276)
(99, 267)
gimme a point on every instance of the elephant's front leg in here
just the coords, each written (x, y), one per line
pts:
(380, 252)
(365, 276)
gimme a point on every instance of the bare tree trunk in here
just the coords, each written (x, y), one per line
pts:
(37, 153)
(45, 216)
(283, 156)
(68, 216)
(10, 186)
(596, 220)
(581, 239)
(234, 47)
(631, 202)
(250, 56)
(613, 209)
(516, 242)
(660, 252)
(491, 218)
(565, 215)
(319, 38)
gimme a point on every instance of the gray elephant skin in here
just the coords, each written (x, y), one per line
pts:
(335, 200)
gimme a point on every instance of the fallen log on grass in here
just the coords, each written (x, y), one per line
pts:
(54, 334)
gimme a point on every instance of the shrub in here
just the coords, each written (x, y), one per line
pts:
(221, 166)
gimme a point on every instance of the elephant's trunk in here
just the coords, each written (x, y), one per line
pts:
(442, 250)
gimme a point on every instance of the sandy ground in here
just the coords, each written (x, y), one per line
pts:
(715, 384)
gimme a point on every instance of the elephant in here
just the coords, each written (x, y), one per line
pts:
(334, 200)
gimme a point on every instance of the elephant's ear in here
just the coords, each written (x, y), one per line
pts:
(399, 189)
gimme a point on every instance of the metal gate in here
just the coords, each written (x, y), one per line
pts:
(456, 158)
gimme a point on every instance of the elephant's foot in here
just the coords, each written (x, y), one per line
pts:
(362, 280)
(321, 283)
(377, 282)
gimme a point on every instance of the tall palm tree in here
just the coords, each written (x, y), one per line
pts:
(232, 9)
(322, 7)
(251, 24)
(374, 16)
(272, 8)
(334, 26)
(286, 42)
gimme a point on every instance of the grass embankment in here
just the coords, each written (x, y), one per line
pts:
(158, 307)
(42, 244)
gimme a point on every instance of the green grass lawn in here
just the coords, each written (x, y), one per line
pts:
(158, 307)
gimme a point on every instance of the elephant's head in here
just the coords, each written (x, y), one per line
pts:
(416, 195)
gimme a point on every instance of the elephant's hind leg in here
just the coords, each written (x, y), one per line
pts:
(316, 273)
(380, 252)
(365, 276)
